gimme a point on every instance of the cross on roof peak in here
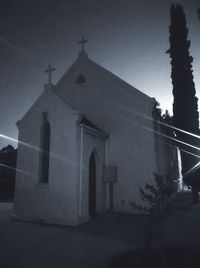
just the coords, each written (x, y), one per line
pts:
(82, 43)
(49, 70)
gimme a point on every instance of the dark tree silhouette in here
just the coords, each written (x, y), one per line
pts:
(185, 108)
(8, 158)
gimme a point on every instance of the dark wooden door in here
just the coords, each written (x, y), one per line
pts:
(92, 185)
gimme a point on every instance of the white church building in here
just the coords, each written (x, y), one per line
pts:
(86, 146)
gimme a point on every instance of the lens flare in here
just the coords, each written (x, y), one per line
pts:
(151, 119)
(13, 46)
(19, 170)
(53, 155)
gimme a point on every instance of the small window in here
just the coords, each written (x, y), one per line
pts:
(80, 79)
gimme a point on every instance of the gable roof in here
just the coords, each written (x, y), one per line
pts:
(43, 95)
(84, 60)
(122, 90)
(102, 96)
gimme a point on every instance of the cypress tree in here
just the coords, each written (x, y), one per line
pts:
(185, 107)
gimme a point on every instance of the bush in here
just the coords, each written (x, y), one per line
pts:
(157, 198)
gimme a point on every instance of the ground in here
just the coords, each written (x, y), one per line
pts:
(32, 245)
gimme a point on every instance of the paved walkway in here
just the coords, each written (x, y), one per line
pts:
(30, 245)
(182, 229)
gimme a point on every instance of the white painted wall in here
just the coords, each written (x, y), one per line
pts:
(126, 115)
(56, 201)
(113, 106)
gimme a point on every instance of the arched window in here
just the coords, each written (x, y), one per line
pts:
(80, 79)
(44, 151)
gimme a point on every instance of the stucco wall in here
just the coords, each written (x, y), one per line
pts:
(115, 108)
(57, 200)
(124, 113)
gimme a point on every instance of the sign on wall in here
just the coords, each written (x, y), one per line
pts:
(110, 174)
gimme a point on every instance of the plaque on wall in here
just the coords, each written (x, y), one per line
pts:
(110, 173)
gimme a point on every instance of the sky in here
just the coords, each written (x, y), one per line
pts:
(127, 37)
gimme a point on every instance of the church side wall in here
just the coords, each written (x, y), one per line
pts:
(56, 200)
(132, 151)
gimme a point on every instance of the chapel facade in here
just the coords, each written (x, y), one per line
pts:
(86, 146)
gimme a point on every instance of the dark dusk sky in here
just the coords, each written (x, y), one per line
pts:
(127, 37)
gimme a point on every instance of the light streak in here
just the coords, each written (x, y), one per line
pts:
(151, 119)
(13, 46)
(55, 156)
(19, 170)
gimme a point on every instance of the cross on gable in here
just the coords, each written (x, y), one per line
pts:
(49, 71)
(82, 43)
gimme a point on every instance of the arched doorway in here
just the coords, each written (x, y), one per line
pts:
(92, 185)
